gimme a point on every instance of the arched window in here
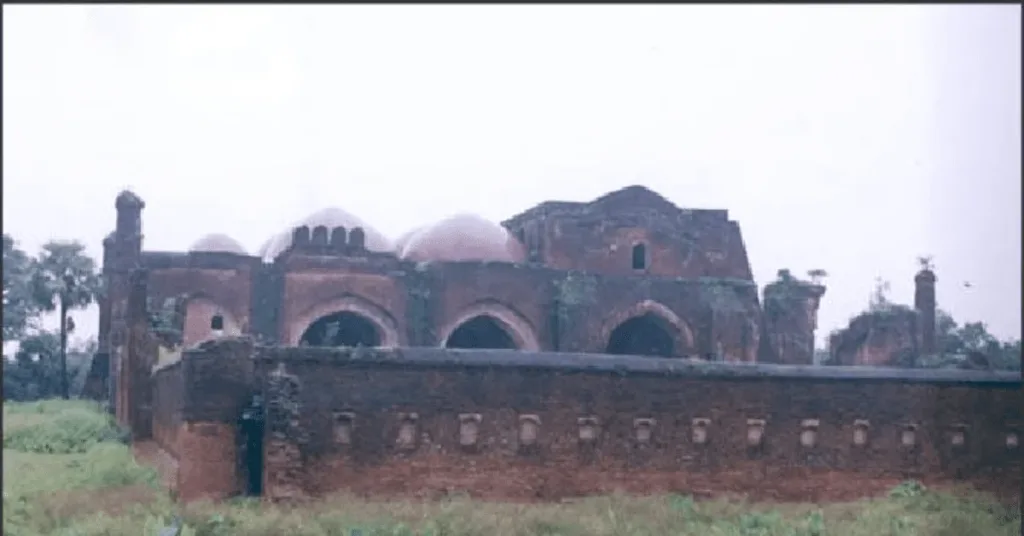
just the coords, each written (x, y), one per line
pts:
(217, 323)
(639, 257)
(480, 332)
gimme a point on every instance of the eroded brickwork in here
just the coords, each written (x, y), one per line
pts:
(420, 422)
(626, 275)
(629, 260)
(890, 335)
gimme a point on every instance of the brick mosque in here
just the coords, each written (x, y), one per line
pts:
(575, 348)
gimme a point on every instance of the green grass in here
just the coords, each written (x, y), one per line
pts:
(68, 472)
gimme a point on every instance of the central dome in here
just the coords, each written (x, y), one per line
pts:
(329, 217)
(464, 237)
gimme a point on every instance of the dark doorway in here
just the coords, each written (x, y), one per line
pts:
(251, 428)
(642, 335)
(341, 329)
(480, 332)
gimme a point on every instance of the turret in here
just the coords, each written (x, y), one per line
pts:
(128, 232)
(924, 303)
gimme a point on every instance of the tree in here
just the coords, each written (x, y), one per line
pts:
(817, 275)
(19, 307)
(880, 296)
(64, 279)
(955, 342)
(35, 370)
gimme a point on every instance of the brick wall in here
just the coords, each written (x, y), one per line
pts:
(168, 402)
(427, 422)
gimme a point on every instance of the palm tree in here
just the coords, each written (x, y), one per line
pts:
(64, 279)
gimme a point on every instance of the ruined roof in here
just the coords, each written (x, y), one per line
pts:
(464, 237)
(218, 243)
(627, 199)
(329, 217)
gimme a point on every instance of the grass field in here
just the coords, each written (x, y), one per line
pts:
(67, 471)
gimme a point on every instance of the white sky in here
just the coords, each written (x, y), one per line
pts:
(849, 138)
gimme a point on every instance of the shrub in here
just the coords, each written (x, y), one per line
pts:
(70, 432)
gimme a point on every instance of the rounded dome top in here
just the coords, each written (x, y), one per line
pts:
(219, 243)
(465, 237)
(329, 217)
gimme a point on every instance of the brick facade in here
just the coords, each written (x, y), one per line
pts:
(533, 406)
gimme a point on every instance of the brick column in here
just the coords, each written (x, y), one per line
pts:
(283, 472)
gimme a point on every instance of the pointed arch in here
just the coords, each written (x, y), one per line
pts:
(508, 319)
(387, 328)
(649, 315)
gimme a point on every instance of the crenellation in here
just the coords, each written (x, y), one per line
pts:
(318, 240)
(339, 240)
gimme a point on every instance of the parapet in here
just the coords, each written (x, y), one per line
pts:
(617, 365)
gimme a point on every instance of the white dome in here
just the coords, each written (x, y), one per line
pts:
(219, 243)
(329, 217)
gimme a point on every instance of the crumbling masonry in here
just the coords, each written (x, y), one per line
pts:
(576, 348)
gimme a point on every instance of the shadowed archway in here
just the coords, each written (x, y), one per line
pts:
(642, 335)
(344, 328)
(481, 332)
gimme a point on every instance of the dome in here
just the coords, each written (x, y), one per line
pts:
(330, 218)
(464, 237)
(218, 243)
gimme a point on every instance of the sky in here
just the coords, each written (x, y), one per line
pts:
(848, 138)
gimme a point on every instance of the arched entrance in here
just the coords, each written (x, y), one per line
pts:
(481, 332)
(642, 335)
(343, 328)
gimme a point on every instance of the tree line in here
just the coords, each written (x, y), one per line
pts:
(60, 277)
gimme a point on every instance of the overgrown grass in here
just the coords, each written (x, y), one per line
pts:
(83, 481)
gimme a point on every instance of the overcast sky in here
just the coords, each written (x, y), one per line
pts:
(848, 138)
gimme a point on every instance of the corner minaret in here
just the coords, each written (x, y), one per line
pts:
(122, 254)
(128, 231)
(924, 303)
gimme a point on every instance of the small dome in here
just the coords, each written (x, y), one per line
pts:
(218, 243)
(330, 218)
(465, 237)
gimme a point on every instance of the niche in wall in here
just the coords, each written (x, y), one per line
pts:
(588, 429)
(469, 429)
(344, 421)
(809, 433)
(908, 436)
(529, 430)
(861, 427)
(407, 431)
(643, 428)
(699, 431)
(755, 433)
